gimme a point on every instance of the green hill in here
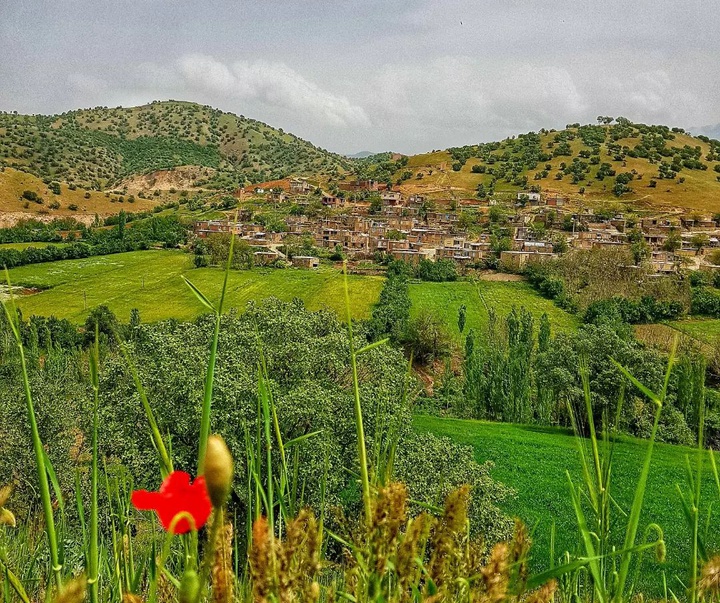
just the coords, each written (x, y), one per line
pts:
(614, 162)
(99, 147)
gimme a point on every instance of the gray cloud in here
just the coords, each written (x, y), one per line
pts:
(372, 74)
(273, 84)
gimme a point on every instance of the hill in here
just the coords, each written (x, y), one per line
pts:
(99, 148)
(657, 166)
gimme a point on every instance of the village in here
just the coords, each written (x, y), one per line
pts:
(365, 219)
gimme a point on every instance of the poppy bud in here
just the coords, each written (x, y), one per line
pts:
(660, 551)
(189, 587)
(6, 518)
(218, 470)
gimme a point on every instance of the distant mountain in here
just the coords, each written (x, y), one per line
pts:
(98, 148)
(361, 155)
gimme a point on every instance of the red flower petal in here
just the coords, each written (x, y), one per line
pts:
(177, 495)
(144, 500)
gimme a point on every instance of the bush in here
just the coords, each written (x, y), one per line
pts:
(645, 310)
(438, 271)
(32, 196)
(310, 389)
(426, 338)
(705, 302)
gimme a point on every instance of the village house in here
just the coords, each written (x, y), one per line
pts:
(530, 197)
(391, 198)
(299, 186)
(264, 258)
(305, 261)
(514, 260)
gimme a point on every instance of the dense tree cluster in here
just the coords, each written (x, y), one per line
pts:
(306, 356)
(166, 231)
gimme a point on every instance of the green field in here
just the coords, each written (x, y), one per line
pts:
(704, 329)
(21, 246)
(151, 282)
(533, 460)
(444, 299)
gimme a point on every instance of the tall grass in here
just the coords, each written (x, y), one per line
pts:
(389, 553)
(40, 455)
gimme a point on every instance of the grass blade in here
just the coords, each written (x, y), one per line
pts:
(200, 295)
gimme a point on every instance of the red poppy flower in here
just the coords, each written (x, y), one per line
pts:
(177, 495)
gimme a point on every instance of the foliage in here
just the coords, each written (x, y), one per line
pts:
(426, 337)
(165, 230)
(391, 314)
(705, 302)
(645, 310)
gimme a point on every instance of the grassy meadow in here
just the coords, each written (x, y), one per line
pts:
(706, 330)
(151, 282)
(444, 299)
(543, 498)
(138, 279)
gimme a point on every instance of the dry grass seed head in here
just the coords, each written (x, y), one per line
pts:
(166, 591)
(73, 591)
(709, 582)
(520, 547)
(447, 540)
(389, 516)
(544, 594)
(130, 598)
(5, 493)
(496, 573)
(413, 546)
(260, 567)
(223, 579)
(299, 557)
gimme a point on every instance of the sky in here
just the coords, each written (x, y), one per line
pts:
(373, 75)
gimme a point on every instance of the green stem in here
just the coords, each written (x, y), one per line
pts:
(210, 374)
(38, 449)
(94, 559)
(362, 449)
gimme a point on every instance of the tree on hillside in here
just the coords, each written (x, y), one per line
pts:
(427, 338)
(673, 241)
(698, 241)
(462, 311)
(640, 251)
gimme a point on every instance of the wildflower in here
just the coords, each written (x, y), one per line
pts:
(177, 495)
(218, 470)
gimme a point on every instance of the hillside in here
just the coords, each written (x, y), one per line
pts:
(650, 165)
(99, 148)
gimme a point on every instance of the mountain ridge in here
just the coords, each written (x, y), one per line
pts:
(614, 160)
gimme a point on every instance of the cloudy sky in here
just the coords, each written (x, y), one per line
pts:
(352, 75)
